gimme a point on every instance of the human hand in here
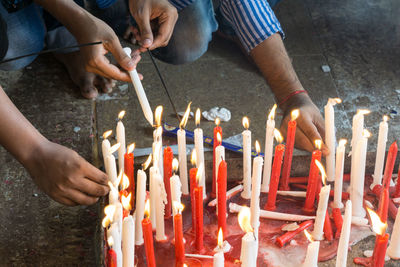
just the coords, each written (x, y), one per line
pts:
(310, 124)
(65, 176)
(157, 16)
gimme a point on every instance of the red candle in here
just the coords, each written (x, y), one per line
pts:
(390, 160)
(377, 190)
(111, 258)
(148, 237)
(179, 245)
(129, 170)
(313, 181)
(287, 162)
(384, 204)
(221, 181)
(338, 220)
(198, 200)
(193, 184)
(168, 157)
(328, 227)
(275, 173)
(397, 192)
(283, 239)
(216, 143)
(378, 257)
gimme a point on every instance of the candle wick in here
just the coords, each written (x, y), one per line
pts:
(254, 234)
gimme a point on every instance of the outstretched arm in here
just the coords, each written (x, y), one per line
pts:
(58, 171)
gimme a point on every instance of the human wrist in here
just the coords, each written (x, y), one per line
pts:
(296, 100)
(34, 153)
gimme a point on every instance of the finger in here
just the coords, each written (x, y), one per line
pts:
(124, 60)
(111, 71)
(92, 188)
(164, 33)
(302, 142)
(105, 85)
(81, 198)
(94, 174)
(65, 201)
(309, 130)
(142, 17)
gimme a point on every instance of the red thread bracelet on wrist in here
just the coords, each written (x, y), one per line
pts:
(291, 95)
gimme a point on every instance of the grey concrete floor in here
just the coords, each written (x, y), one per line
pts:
(358, 39)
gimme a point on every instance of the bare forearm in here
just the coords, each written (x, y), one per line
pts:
(17, 134)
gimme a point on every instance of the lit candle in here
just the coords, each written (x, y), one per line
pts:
(113, 232)
(269, 143)
(179, 244)
(246, 193)
(311, 259)
(218, 259)
(394, 247)
(313, 181)
(105, 148)
(216, 143)
(340, 152)
(380, 151)
(249, 249)
(113, 196)
(160, 205)
(219, 157)
(255, 190)
(199, 146)
(112, 168)
(129, 170)
(140, 201)
(182, 151)
(144, 103)
(276, 172)
(358, 176)
(157, 135)
(221, 195)
(330, 138)
(343, 247)
(148, 237)
(192, 176)
(175, 184)
(168, 156)
(318, 232)
(198, 198)
(381, 241)
(121, 139)
(287, 162)
(111, 255)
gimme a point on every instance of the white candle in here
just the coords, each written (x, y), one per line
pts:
(114, 232)
(358, 177)
(140, 201)
(249, 250)
(153, 196)
(311, 259)
(394, 247)
(105, 148)
(113, 194)
(343, 247)
(199, 146)
(160, 207)
(128, 242)
(218, 259)
(340, 152)
(380, 152)
(269, 143)
(118, 216)
(246, 194)
(255, 191)
(112, 168)
(176, 193)
(183, 161)
(219, 156)
(330, 138)
(144, 103)
(121, 139)
(318, 231)
(157, 135)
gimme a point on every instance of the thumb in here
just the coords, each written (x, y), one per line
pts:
(123, 59)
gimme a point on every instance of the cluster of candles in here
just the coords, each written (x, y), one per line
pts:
(126, 229)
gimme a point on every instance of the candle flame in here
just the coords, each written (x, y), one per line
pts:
(271, 115)
(193, 157)
(321, 170)
(130, 149)
(385, 118)
(109, 211)
(258, 149)
(318, 144)
(342, 142)
(147, 208)
(158, 114)
(107, 134)
(363, 112)
(114, 148)
(198, 117)
(308, 235)
(199, 173)
(244, 219)
(217, 121)
(146, 164)
(125, 181)
(178, 207)
(175, 165)
(378, 226)
(126, 201)
(110, 241)
(185, 118)
(245, 122)
(121, 114)
(106, 222)
(185, 265)
(366, 133)
(295, 114)
(278, 136)
(334, 101)
(219, 137)
(220, 238)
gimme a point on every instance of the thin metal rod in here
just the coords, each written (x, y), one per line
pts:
(164, 85)
(49, 51)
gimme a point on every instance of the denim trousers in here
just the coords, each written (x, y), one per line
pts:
(27, 33)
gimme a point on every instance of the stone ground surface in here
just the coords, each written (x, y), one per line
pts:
(358, 39)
